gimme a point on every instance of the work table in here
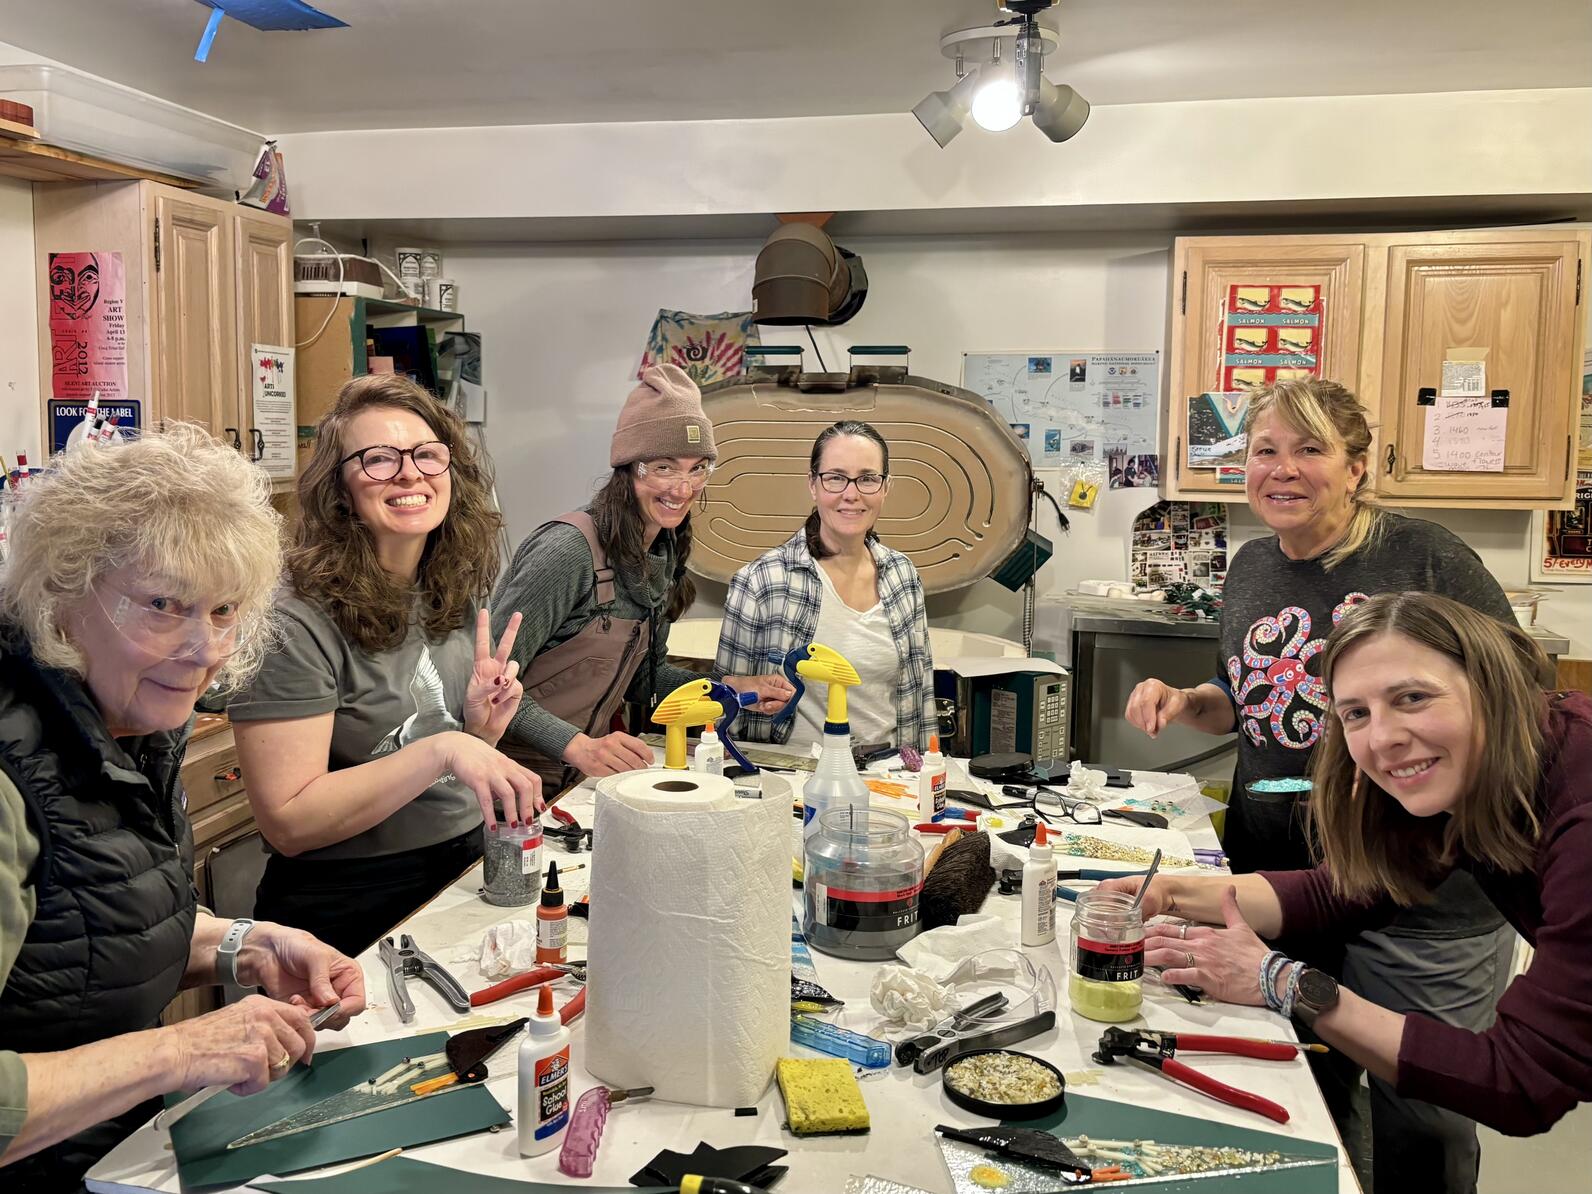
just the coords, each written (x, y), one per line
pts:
(904, 1106)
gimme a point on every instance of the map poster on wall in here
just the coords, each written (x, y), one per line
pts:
(88, 326)
(1071, 406)
(1270, 333)
(1563, 539)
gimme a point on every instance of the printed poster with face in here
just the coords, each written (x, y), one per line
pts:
(1270, 333)
(88, 326)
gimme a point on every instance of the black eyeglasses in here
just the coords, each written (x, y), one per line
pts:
(837, 482)
(383, 462)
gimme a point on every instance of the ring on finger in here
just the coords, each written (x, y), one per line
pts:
(1182, 930)
(282, 1063)
(1188, 959)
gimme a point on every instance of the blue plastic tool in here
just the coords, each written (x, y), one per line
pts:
(733, 703)
(829, 1038)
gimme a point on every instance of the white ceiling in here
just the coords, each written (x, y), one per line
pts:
(406, 63)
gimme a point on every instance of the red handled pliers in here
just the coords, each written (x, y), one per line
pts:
(1155, 1050)
(568, 830)
(545, 973)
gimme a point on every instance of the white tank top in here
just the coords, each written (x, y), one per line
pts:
(863, 637)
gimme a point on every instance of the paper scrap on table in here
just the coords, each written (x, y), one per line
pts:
(1465, 435)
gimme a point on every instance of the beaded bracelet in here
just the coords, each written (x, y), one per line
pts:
(1292, 992)
(1270, 967)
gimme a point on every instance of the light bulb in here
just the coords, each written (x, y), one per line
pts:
(998, 104)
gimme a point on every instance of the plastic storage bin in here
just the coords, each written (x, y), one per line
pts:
(103, 119)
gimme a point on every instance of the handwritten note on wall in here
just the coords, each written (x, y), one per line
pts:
(1465, 435)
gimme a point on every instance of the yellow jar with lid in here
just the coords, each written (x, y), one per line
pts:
(1107, 955)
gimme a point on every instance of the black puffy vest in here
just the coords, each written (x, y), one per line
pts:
(114, 882)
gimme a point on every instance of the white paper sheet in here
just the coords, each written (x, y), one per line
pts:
(271, 376)
(1465, 435)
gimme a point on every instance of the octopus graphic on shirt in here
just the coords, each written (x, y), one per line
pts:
(1271, 684)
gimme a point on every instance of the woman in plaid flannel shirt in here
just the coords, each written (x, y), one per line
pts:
(834, 582)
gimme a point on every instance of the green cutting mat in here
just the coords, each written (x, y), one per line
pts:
(404, 1175)
(1104, 1119)
(201, 1138)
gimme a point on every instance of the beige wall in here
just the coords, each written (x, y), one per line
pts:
(19, 345)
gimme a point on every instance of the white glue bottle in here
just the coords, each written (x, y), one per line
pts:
(931, 783)
(709, 756)
(1039, 892)
(544, 1081)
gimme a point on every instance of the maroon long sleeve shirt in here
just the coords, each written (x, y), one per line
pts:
(1535, 1062)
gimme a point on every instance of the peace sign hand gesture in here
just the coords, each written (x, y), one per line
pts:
(493, 696)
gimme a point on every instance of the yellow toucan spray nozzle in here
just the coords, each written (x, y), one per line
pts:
(830, 666)
(687, 705)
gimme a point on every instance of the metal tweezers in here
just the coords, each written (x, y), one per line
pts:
(405, 961)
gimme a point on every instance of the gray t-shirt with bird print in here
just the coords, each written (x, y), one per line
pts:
(380, 703)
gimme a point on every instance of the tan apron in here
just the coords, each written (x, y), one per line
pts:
(583, 680)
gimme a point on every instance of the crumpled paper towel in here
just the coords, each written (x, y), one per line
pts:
(1085, 782)
(909, 998)
(508, 948)
(689, 958)
(940, 951)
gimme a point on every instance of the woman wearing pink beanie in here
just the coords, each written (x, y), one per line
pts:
(599, 587)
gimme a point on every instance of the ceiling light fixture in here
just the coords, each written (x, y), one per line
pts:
(998, 89)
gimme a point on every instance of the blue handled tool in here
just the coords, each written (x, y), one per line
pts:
(787, 663)
(733, 703)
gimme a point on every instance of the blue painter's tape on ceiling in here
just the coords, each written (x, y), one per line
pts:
(276, 15)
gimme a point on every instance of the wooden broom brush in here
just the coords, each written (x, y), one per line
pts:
(956, 879)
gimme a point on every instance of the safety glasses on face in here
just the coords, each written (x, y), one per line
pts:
(666, 474)
(869, 483)
(383, 462)
(170, 628)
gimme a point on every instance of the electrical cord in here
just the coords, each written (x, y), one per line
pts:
(822, 368)
(334, 296)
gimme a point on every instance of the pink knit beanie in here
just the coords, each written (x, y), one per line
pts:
(662, 417)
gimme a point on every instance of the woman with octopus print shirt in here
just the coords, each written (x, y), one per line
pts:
(1306, 479)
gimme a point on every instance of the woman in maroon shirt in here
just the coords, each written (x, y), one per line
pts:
(1442, 750)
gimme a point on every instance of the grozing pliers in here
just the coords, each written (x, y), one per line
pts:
(1155, 1050)
(404, 961)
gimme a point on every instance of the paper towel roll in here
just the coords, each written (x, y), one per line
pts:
(673, 791)
(689, 956)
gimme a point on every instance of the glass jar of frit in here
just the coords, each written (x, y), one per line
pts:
(1107, 953)
(863, 878)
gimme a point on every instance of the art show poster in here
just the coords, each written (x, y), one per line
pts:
(88, 326)
(271, 367)
(1270, 333)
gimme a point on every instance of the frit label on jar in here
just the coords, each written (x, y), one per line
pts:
(1110, 961)
(850, 910)
(531, 855)
(552, 1094)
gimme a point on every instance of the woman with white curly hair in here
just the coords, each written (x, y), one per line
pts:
(138, 576)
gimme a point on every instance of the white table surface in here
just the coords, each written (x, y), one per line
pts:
(903, 1106)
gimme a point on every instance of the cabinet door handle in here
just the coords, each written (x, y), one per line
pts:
(232, 434)
(1391, 457)
(256, 444)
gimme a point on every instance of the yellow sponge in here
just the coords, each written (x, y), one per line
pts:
(822, 1098)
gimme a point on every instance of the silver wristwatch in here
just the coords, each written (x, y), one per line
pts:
(227, 951)
(1317, 993)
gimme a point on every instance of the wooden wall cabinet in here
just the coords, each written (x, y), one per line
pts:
(205, 280)
(1395, 303)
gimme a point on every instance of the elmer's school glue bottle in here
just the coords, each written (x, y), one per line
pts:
(544, 1080)
(931, 783)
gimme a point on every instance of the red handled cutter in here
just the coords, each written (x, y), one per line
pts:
(1155, 1050)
